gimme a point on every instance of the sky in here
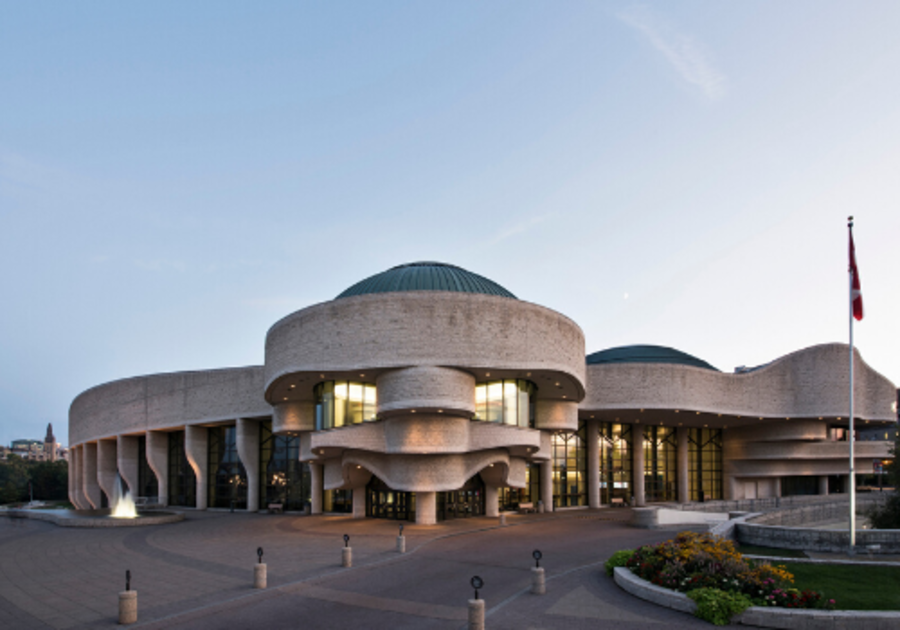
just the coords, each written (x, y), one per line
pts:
(176, 177)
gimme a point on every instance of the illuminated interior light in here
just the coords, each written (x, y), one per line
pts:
(293, 386)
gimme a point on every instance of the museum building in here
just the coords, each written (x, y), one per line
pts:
(427, 392)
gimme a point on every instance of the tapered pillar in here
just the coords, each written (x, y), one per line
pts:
(107, 470)
(316, 482)
(777, 484)
(196, 449)
(823, 485)
(359, 502)
(127, 461)
(426, 508)
(547, 485)
(491, 500)
(158, 460)
(682, 464)
(89, 475)
(637, 461)
(592, 434)
(75, 470)
(248, 451)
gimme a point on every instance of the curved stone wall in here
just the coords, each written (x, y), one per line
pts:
(808, 383)
(426, 388)
(163, 401)
(428, 328)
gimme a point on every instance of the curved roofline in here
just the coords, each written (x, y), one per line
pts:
(426, 276)
(646, 353)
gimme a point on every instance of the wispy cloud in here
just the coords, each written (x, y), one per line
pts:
(521, 227)
(689, 58)
(161, 265)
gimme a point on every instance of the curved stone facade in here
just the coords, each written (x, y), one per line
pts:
(376, 392)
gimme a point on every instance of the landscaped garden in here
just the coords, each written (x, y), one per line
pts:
(720, 580)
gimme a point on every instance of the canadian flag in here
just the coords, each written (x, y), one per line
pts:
(855, 291)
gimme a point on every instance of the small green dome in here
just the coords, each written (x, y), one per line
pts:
(426, 276)
(646, 354)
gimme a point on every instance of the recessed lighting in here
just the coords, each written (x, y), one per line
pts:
(760, 417)
(637, 420)
(698, 413)
(321, 376)
(642, 411)
(705, 425)
(527, 373)
(564, 396)
(358, 467)
(293, 386)
(440, 411)
(680, 423)
(720, 415)
(487, 373)
(592, 417)
(362, 376)
(676, 411)
(839, 417)
(285, 397)
(413, 411)
(820, 417)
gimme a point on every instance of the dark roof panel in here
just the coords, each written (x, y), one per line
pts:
(426, 276)
(646, 354)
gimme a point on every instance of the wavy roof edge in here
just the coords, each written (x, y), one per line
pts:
(646, 354)
(426, 276)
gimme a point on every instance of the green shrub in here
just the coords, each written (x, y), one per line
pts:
(717, 606)
(618, 559)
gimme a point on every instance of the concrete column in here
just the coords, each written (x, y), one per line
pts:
(107, 470)
(71, 478)
(127, 461)
(683, 474)
(89, 475)
(637, 467)
(196, 448)
(777, 484)
(592, 433)
(248, 451)
(317, 487)
(359, 502)
(547, 485)
(491, 500)
(158, 460)
(426, 508)
(823, 485)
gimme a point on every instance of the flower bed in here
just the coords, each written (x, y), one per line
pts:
(722, 582)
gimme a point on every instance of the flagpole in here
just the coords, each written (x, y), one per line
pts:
(851, 438)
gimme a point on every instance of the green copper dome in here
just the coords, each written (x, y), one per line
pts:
(646, 354)
(426, 276)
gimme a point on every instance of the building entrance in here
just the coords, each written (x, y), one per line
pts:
(384, 502)
(462, 503)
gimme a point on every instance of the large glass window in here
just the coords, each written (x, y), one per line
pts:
(337, 501)
(510, 498)
(705, 464)
(283, 478)
(569, 468)
(660, 464)
(148, 486)
(182, 481)
(508, 402)
(615, 462)
(227, 483)
(342, 403)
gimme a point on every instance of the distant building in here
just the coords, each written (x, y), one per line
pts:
(36, 450)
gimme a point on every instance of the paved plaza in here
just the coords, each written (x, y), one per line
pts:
(199, 573)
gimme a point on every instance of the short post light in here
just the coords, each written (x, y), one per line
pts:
(260, 579)
(347, 553)
(476, 606)
(538, 585)
(128, 603)
(401, 541)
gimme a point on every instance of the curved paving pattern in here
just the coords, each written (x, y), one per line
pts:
(198, 573)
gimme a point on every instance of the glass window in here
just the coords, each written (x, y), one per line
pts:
(227, 485)
(569, 468)
(705, 464)
(508, 402)
(615, 462)
(660, 464)
(342, 403)
(283, 478)
(148, 486)
(182, 481)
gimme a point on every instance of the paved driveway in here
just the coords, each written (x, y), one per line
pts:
(199, 573)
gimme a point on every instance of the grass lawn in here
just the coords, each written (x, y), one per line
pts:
(769, 551)
(853, 587)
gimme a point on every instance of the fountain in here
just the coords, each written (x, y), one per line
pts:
(124, 513)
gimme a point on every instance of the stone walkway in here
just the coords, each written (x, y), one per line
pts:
(199, 573)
